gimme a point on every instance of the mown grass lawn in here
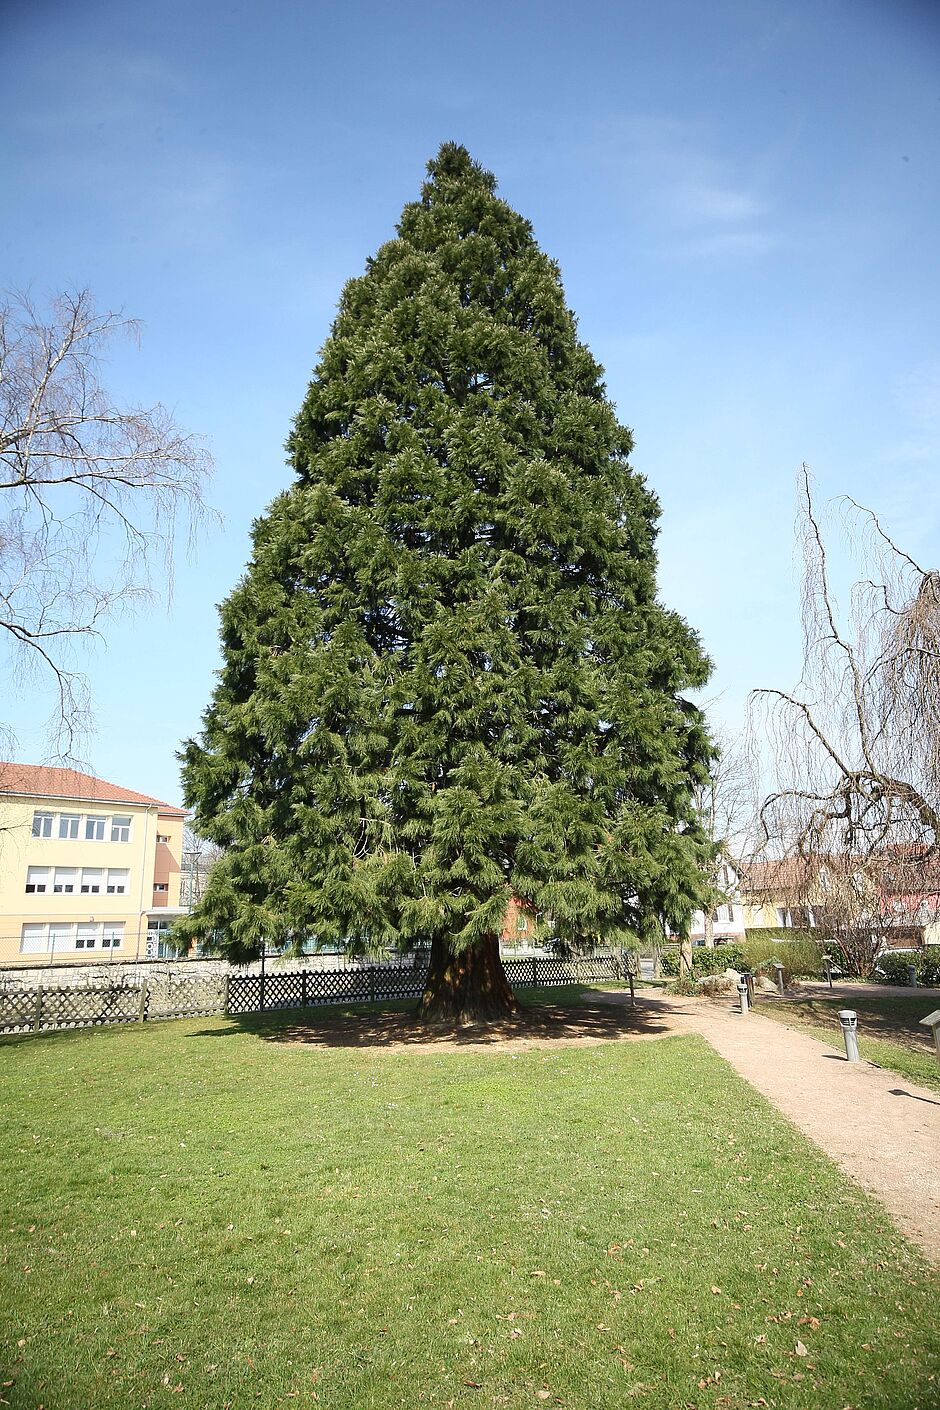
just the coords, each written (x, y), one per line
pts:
(197, 1214)
(889, 1031)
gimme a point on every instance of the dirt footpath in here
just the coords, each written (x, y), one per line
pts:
(881, 1129)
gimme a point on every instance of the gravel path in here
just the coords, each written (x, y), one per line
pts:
(881, 1129)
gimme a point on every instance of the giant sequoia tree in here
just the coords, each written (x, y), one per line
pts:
(446, 678)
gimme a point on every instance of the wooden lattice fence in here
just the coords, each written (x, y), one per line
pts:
(45, 1008)
(175, 995)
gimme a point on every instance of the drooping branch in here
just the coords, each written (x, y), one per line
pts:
(856, 746)
(90, 493)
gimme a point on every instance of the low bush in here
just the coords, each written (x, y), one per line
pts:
(705, 961)
(800, 953)
(892, 967)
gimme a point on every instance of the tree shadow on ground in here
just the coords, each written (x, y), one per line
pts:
(588, 1021)
(894, 1018)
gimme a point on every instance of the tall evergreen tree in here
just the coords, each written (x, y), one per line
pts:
(446, 678)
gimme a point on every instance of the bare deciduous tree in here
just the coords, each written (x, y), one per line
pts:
(857, 745)
(83, 483)
(198, 859)
(726, 806)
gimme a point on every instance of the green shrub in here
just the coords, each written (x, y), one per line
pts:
(799, 951)
(892, 967)
(704, 961)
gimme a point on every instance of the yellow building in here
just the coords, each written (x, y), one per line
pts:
(89, 871)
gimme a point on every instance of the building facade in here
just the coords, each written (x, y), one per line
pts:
(89, 871)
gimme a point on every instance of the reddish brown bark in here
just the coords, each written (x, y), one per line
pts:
(468, 986)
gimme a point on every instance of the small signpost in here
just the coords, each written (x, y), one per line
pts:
(932, 1021)
(742, 994)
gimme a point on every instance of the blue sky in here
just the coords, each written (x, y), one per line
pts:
(743, 198)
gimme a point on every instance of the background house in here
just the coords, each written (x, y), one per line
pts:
(89, 870)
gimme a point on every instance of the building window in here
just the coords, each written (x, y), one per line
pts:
(64, 880)
(37, 880)
(87, 937)
(160, 886)
(68, 825)
(94, 829)
(42, 824)
(120, 829)
(92, 880)
(33, 940)
(113, 936)
(117, 881)
(730, 913)
(61, 937)
(163, 837)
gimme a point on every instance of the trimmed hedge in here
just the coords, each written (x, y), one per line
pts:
(705, 961)
(797, 950)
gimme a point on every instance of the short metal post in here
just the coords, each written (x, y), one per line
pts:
(632, 995)
(742, 995)
(303, 988)
(827, 962)
(749, 979)
(371, 984)
(37, 1011)
(849, 1020)
(225, 979)
(912, 976)
(932, 1021)
(779, 968)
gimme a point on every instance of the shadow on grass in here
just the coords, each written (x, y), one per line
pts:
(894, 1017)
(580, 1017)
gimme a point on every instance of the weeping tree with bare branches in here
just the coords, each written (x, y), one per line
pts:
(856, 746)
(725, 805)
(92, 495)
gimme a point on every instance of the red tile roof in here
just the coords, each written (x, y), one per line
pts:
(40, 781)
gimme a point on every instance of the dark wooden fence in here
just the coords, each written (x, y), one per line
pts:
(42, 1009)
(256, 993)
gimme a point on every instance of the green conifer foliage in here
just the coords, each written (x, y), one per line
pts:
(446, 678)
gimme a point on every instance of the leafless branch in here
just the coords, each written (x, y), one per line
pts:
(856, 747)
(83, 483)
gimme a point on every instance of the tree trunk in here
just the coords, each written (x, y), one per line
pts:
(685, 958)
(469, 986)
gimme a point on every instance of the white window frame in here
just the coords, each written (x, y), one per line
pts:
(87, 935)
(117, 881)
(61, 936)
(69, 824)
(92, 881)
(37, 880)
(42, 823)
(121, 827)
(161, 886)
(95, 825)
(65, 881)
(29, 935)
(112, 935)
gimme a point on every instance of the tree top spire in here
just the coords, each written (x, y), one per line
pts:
(452, 167)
